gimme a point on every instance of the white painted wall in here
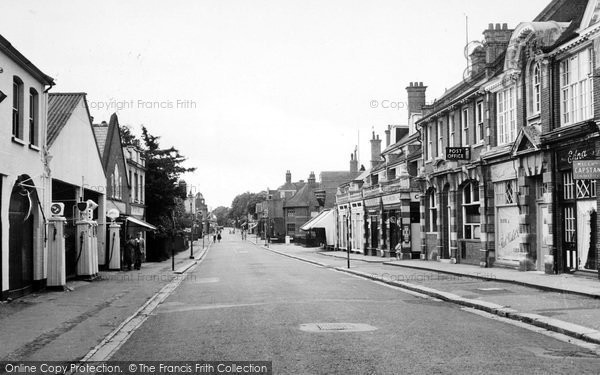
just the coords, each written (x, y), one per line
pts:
(18, 158)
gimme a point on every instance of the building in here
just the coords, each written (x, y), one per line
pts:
(25, 183)
(272, 208)
(517, 186)
(77, 172)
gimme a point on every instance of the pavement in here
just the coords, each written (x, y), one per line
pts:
(565, 304)
(68, 325)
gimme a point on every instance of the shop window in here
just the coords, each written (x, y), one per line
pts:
(471, 216)
(506, 192)
(570, 224)
(576, 93)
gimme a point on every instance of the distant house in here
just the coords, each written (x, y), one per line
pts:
(77, 172)
(24, 173)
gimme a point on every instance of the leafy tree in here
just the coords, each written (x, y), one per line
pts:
(221, 214)
(163, 195)
(244, 204)
(128, 138)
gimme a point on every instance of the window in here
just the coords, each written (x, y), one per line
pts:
(291, 229)
(577, 189)
(391, 174)
(135, 187)
(432, 208)
(471, 217)
(451, 130)
(536, 85)
(440, 142)
(506, 192)
(116, 188)
(479, 122)
(33, 117)
(428, 142)
(576, 94)
(507, 116)
(464, 123)
(17, 110)
(142, 187)
(291, 213)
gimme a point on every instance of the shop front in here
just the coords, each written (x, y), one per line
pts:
(374, 226)
(576, 179)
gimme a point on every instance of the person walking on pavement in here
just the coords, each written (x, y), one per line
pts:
(137, 252)
(219, 236)
(214, 237)
(129, 250)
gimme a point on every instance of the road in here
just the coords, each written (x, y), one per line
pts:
(246, 303)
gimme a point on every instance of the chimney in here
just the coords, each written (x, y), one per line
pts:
(375, 150)
(496, 41)
(311, 178)
(416, 97)
(478, 61)
(288, 177)
(387, 136)
(353, 163)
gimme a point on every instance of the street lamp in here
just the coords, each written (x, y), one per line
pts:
(192, 229)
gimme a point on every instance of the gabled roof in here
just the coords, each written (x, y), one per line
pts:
(528, 139)
(23, 62)
(330, 180)
(101, 134)
(60, 110)
(304, 197)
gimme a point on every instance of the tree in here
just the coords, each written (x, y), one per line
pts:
(163, 195)
(221, 214)
(244, 204)
(128, 138)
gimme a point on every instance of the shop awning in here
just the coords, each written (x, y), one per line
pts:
(325, 220)
(140, 223)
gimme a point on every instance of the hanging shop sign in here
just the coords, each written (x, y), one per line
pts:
(458, 153)
(586, 169)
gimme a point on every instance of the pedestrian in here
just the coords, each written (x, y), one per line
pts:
(128, 254)
(219, 236)
(214, 237)
(137, 252)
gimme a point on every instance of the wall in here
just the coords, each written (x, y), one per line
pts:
(17, 159)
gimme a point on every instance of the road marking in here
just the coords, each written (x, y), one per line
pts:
(555, 335)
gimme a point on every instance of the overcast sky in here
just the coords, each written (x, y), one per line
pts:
(249, 89)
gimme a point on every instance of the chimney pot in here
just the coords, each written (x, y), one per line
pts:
(411, 84)
(504, 26)
(497, 26)
(421, 84)
(491, 26)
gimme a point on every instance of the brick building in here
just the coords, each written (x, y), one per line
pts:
(525, 115)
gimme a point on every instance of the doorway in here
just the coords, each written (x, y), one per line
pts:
(445, 229)
(20, 239)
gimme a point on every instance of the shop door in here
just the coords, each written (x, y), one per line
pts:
(20, 241)
(445, 229)
(569, 237)
(71, 248)
(543, 236)
(374, 232)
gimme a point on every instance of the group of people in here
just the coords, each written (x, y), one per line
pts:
(217, 236)
(134, 252)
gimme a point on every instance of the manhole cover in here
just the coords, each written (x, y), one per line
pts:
(336, 327)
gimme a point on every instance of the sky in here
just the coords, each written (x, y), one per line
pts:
(247, 90)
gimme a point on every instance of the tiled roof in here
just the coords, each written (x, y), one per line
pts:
(305, 197)
(330, 182)
(60, 109)
(101, 133)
